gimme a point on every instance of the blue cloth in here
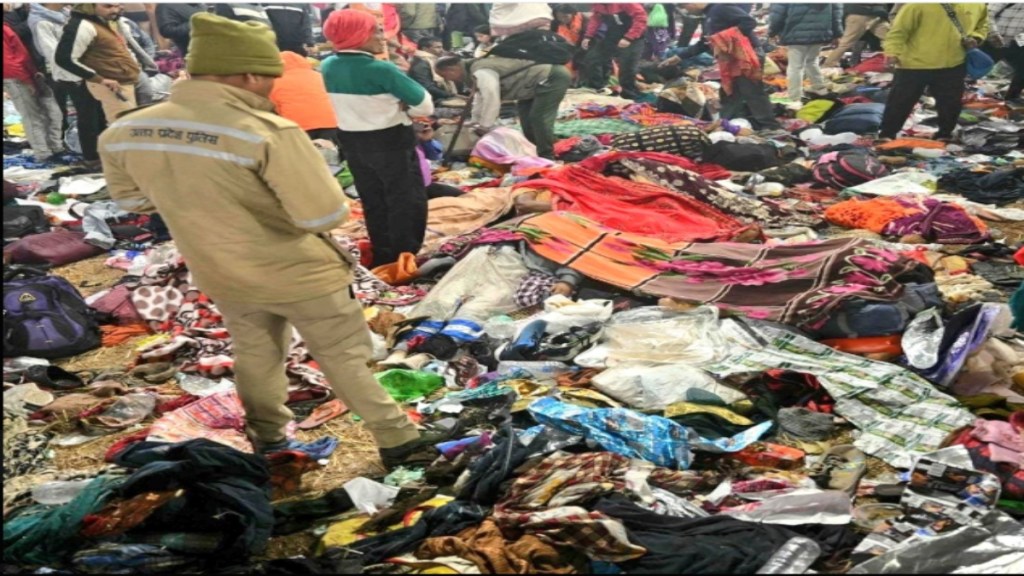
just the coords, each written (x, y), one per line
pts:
(317, 449)
(432, 149)
(635, 435)
(623, 431)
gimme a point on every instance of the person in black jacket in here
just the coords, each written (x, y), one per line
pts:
(174, 23)
(421, 69)
(803, 29)
(293, 26)
(859, 19)
(748, 99)
(464, 19)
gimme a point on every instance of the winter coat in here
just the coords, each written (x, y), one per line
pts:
(301, 96)
(805, 24)
(174, 22)
(876, 10)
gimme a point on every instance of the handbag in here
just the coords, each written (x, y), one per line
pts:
(54, 248)
(979, 64)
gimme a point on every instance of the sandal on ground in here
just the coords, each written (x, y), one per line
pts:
(565, 346)
(53, 377)
(841, 469)
(156, 373)
(323, 414)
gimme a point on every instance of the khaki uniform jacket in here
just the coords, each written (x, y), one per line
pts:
(243, 191)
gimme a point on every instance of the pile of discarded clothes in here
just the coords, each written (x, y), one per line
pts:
(782, 351)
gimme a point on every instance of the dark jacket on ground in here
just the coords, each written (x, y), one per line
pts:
(806, 24)
(877, 10)
(719, 17)
(174, 23)
(292, 25)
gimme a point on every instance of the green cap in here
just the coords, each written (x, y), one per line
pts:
(224, 47)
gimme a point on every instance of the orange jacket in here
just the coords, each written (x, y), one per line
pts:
(300, 95)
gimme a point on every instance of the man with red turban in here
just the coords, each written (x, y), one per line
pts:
(373, 101)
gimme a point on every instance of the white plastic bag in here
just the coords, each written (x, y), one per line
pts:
(651, 386)
(561, 313)
(659, 335)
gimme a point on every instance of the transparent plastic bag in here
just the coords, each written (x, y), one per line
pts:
(922, 339)
(663, 336)
(561, 313)
(650, 386)
(795, 557)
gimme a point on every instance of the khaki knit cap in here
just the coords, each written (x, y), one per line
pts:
(223, 47)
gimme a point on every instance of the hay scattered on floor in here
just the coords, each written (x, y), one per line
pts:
(298, 544)
(87, 456)
(117, 357)
(90, 276)
(356, 455)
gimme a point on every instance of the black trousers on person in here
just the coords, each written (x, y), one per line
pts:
(599, 57)
(946, 85)
(394, 198)
(749, 100)
(88, 117)
(1014, 56)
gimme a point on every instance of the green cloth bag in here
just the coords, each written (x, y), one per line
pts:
(406, 385)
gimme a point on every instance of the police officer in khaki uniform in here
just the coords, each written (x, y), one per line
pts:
(248, 200)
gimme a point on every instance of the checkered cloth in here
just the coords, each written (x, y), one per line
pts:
(534, 289)
(545, 501)
(1009, 19)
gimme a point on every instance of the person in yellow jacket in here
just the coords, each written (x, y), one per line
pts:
(924, 47)
(249, 200)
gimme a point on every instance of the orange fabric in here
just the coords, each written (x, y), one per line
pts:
(116, 335)
(901, 143)
(868, 345)
(398, 273)
(300, 94)
(735, 57)
(870, 215)
(573, 33)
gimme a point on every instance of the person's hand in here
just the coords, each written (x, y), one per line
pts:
(112, 85)
(892, 62)
(997, 41)
(624, 43)
(833, 44)
(481, 130)
(585, 44)
(562, 289)
(970, 43)
(672, 61)
(403, 106)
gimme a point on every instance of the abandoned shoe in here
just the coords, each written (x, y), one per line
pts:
(417, 452)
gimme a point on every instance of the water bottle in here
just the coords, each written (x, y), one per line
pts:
(56, 493)
(795, 557)
(200, 386)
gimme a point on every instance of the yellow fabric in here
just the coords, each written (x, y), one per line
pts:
(243, 191)
(222, 47)
(923, 37)
(681, 408)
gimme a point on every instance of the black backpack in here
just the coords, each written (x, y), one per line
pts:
(24, 220)
(540, 46)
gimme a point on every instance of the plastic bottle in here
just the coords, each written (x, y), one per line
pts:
(56, 493)
(201, 386)
(795, 557)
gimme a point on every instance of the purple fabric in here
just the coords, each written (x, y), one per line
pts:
(424, 167)
(938, 222)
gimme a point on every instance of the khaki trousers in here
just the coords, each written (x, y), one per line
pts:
(112, 105)
(336, 334)
(856, 25)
